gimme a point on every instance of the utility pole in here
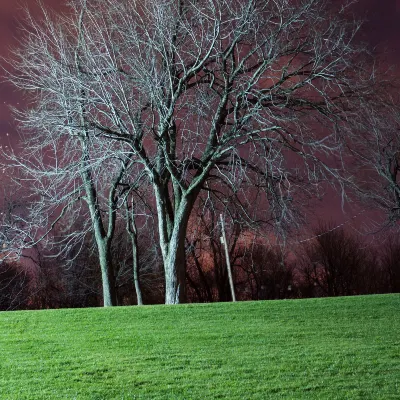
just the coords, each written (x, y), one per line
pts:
(228, 263)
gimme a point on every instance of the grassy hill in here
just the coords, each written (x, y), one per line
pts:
(336, 348)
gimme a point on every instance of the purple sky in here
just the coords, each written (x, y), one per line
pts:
(381, 31)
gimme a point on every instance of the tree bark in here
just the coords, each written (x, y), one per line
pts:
(107, 273)
(135, 256)
(103, 241)
(133, 234)
(175, 269)
(172, 239)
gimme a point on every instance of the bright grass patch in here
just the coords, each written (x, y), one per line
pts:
(335, 348)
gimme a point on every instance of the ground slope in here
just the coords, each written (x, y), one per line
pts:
(336, 348)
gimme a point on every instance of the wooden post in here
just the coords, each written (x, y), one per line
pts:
(228, 263)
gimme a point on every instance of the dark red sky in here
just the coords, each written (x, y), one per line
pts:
(381, 31)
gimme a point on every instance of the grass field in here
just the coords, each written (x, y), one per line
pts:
(342, 348)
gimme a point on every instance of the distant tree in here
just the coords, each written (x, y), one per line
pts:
(269, 274)
(207, 272)
(333, 262)
(390, 261)
(14, 286)
(57, 283)
(137, 257)
(259, 271)
(254, 96)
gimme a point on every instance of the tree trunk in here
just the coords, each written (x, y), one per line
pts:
(103, 241)
(175, 269)
(103, 244)
(135, 256)
(172, 239)
(133, 234)
(107, 273)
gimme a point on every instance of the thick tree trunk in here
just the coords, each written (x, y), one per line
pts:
(172, 232)
(175, 269)
(107, 273)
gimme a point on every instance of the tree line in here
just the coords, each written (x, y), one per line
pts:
(142, 117)
(335, 262)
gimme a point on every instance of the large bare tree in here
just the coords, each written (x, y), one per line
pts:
(251, 96)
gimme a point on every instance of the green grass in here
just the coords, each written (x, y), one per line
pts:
(342, 348)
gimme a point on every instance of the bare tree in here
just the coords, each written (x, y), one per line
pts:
(334, 262)
(14, 286)
(269, 274)
(390, 262)
(207, 272)
(61, 160)
(253, 95)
